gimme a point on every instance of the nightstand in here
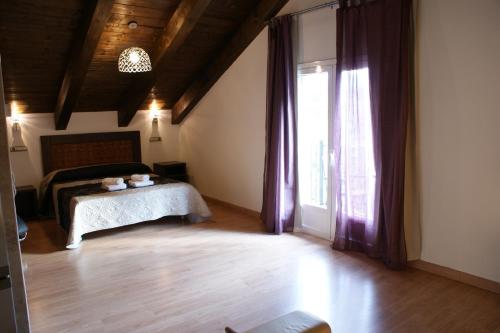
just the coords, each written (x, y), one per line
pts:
(26, 202)
(173, 169)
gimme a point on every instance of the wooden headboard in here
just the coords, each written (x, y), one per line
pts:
(74, 150)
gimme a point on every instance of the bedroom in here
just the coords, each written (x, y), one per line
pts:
(203, 107)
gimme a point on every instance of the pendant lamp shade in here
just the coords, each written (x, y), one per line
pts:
(134, 60)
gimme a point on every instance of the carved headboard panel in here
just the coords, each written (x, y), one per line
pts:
(74, 150)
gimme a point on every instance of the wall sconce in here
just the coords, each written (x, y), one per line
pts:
(155, 113)
(17, 136)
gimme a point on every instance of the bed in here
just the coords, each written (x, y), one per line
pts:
(74, 166)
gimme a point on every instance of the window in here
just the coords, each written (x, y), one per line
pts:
(313, 106)
(357, 164)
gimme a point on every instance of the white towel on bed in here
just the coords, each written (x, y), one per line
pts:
(112, 181)
(115, 187)
(139, 178)
(140, 184)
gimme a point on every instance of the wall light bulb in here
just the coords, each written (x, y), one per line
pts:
(14, 113)
(153, 108)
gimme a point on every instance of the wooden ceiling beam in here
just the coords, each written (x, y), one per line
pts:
(95, 17)
(246, 33)
(174, 34)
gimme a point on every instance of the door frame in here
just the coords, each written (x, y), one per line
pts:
(8, 221)
(310, 67)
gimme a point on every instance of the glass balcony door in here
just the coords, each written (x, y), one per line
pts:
(315, 101)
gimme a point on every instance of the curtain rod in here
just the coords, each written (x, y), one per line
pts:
(307, 10)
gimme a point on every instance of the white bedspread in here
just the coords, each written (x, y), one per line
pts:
(115, 209)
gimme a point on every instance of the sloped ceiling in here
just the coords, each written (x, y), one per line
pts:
(38, 40)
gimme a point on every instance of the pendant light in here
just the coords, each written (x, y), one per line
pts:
(134, 59)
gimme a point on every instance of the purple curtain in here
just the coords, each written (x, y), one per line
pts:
(278, 206)
(373, 102)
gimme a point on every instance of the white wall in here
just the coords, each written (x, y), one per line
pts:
(222, 140)
(459, 136)
(316, 35)
(27, 166)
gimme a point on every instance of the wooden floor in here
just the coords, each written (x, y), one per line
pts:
(172, 277)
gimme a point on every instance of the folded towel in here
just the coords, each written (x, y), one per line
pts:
(115, 187)
(140, 184)
(112, 181)
(139, 178)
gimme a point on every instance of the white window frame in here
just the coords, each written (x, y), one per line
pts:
(310, 67)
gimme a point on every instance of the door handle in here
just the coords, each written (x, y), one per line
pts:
(4, 277)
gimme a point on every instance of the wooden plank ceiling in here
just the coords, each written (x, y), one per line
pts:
(43, 44)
